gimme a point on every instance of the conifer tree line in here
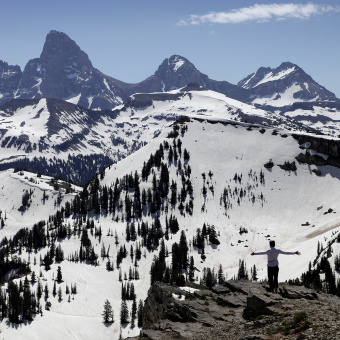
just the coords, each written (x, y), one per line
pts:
(125, 200)
(128, 293)
(79, 169)
(322, 265)
(23, 300)
(176, 272)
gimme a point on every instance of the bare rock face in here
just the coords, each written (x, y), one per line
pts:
(239, 310)
(9, 81)
(65, 72)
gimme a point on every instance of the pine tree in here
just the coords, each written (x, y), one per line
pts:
(60, 294)
(108, 312)
(59, 275)
(46, 295)
(124, 313)
(140, 314)
(254, 273)
(54, 289)
(14, 302)
(242, 271)
(221, 278)
(27, 302)
(133, 313)
(191, 269)
(39, 290)
(109, 265)
(210, 278)
(59, 254)
(74, 289)
(183, 250)
(33, 278)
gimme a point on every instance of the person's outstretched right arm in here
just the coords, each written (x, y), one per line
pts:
(259, 253)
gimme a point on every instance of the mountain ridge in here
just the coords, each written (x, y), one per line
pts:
(64, 71)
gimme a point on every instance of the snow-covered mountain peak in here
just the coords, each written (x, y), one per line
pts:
(176, 70)
(283, 86)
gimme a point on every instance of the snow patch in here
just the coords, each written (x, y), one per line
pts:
(177, 63)
(189, 289)
(74, 100)
(178, 297)
(272, 77)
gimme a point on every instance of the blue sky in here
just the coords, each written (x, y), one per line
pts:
(227, 40)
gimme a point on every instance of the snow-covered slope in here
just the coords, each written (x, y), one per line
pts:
(52, 128)
(290, 198)
(27, 198)
(205, 104)
(231, 191)
(323, 117)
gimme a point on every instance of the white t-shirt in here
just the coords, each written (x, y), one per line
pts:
(272, 255)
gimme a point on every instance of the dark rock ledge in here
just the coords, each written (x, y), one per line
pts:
(239, 310)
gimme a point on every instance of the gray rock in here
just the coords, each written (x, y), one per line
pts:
(240, 310)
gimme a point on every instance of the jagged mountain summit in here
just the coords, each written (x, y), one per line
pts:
(65, 72)
(176, 72)
(283, 86)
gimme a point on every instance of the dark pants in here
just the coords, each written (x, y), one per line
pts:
(273, 273)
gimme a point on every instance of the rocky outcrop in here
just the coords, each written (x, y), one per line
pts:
(239, 310)
(318, 151)
(9, 81)
(327, 146)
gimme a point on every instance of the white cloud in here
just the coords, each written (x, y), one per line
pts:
(261, 13)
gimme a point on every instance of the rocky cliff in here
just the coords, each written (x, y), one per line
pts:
(239, 310)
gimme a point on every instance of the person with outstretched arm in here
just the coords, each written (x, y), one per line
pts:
(273, 264)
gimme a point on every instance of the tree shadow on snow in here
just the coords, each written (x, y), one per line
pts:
(18, 325)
